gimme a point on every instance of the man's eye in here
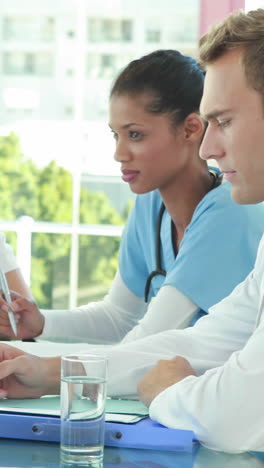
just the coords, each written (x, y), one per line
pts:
(223, 123)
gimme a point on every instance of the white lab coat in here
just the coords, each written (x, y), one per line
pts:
(224, 406)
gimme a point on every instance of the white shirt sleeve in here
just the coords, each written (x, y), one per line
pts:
(7, 257)
(105, 321)
(170, 309)
(117, 316)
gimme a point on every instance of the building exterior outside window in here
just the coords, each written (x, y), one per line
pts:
(58, 59)
(109, 30)
(25, 27)
(41, 43)
(28, 63)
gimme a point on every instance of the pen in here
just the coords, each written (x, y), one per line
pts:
(6, 294)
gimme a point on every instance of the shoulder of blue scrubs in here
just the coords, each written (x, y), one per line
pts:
(137, 248)
(218, 249)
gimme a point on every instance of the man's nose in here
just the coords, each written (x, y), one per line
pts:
(211, 147)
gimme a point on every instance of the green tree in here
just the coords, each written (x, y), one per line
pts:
(18, 181)
(46, 195)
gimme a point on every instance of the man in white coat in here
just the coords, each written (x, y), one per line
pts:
(215, 386)
(224, 405)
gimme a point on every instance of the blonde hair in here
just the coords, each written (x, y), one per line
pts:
(238, 30)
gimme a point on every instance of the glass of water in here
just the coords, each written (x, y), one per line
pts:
(83, 395)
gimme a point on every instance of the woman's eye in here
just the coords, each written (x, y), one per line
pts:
(134, 135)
(114, 134)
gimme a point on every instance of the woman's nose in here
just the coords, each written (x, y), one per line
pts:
(122, 152)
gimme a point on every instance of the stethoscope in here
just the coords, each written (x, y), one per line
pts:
(159, 270)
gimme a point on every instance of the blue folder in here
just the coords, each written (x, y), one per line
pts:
(144, 434)
(259, 455)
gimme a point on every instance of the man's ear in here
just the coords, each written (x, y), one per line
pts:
(193, 127)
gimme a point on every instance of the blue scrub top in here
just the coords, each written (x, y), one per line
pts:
(217, 251)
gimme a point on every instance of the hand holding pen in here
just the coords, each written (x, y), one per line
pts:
(23, 318)
(7, 296)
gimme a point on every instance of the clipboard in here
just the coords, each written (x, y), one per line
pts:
(17, 423)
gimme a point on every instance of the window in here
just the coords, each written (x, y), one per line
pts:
(101, 65)
(153, 35)
(112, 30)
(106, 65)
(28, 63)
(28, 28)
(185, 30)
(55, 82)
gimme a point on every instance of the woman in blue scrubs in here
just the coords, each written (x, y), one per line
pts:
(186, 244)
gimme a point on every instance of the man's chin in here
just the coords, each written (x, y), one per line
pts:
(242, 198)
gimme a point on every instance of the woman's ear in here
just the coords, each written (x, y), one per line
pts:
(193, 127)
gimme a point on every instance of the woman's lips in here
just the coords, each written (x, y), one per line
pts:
(129, 176)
